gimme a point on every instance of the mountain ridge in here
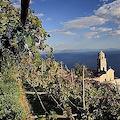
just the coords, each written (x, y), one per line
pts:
(85, 50)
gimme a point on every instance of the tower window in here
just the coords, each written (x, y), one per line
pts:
(103, 69)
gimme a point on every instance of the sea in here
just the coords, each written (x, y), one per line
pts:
(90, 59)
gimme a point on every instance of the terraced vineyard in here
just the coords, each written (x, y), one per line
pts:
(52, 91)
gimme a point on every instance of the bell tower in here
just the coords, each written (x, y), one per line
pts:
(101, 62)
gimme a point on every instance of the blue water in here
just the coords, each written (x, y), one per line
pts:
(90, 59)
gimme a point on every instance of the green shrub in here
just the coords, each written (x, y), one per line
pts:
(10, 107)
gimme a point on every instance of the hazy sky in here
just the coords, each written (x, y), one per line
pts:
(79, 24)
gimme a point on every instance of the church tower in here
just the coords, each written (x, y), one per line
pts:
(101, 62)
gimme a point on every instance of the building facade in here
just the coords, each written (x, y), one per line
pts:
(101, 62)
(104, 75)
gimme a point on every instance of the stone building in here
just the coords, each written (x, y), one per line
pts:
(104, 75)
(101, 62)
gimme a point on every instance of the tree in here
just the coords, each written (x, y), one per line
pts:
(79, 70)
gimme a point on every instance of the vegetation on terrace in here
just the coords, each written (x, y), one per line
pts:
(23, 67)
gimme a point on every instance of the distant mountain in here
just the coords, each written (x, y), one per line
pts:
(85, 50)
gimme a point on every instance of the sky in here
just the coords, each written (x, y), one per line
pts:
(79, 24)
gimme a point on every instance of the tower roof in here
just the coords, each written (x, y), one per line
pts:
(101, 53)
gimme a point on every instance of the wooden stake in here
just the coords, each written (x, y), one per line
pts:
(83, 89)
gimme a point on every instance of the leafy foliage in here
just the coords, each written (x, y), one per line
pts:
(21, 61)
(79, 70)
(10, 107)
(102, 101)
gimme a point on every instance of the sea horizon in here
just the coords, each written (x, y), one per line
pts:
(89, 58)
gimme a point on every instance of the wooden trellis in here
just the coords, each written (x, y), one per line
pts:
(64, 116)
